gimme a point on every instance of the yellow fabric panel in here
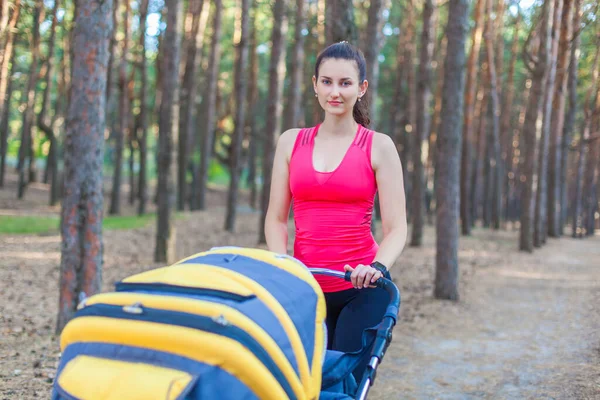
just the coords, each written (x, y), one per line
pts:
(301, 272)
(94, 378)
(205, 347)
(212, 310)
(182, 275)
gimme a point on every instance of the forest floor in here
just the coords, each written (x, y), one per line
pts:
(527, 326)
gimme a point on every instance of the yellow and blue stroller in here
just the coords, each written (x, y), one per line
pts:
(228, 324)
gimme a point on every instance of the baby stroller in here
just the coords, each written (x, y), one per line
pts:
(230, 323)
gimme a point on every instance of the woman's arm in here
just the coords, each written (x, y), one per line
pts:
(390, 184)
(276, 221)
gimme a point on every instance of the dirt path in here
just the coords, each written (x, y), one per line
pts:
(526, 326)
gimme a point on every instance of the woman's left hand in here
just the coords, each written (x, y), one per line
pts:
(363, 276)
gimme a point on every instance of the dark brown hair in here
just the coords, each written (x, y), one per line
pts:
(346, 51)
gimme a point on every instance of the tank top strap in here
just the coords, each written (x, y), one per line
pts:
(364, 140)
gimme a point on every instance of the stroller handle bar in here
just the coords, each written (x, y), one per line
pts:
(386, 284)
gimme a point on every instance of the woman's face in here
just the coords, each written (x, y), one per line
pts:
(338, 86)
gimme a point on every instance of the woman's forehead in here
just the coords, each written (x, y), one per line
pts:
(338, 68)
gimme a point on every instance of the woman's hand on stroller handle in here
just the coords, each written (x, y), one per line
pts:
(363, 276)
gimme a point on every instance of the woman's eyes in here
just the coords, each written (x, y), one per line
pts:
(328, 82)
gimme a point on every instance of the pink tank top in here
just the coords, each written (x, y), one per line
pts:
(332, 210)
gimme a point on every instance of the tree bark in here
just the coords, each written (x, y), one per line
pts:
(82, 207)
(208, 128)
(252, 109)
(447, 189)
(276, 74)
(372, 45)
(187, 100)
(541, 208)
(339, 22)
(170, 79)
(6, 81)
(410, 116)
(123, 112)
(241, 88)
(558, 120)
(143, 118)
(423, 121)
(42, 123)
(496, 170)
(6, 85)
(294, 106)
(478, 181)
(532, 129)
(468, 142)
(25, 150)
(507, 133)
(570, 117)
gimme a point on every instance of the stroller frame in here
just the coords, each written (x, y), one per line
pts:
(383, 336)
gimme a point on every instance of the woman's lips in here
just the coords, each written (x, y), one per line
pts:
(335, 103)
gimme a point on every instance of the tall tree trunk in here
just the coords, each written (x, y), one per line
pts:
(294, 107)
(252, 108)
(408, 124)
(170, 79)
(208, 129)
(25, 150)
(4, 127)
(447, 189)
(241, 88)
(339, 22)
(397, 112)
(590, 203)
(143, 118)
(532, 130)
(82, 207)
(495, 168)
(541, 207)
(587, 156)
(187, 101)
(44, 125)
(320, 33)
(373, 43)
(6, 85)
(435, 128)
(558, 120)
(478, 182)
(422, 122)
(276, 75)
(506, 130)
(123, 112)
(468, 142)
(6, 81)
(570, 117)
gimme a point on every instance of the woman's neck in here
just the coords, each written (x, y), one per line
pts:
(334, 125)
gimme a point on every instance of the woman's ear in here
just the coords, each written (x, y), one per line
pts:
(363, 88)
(314, 79)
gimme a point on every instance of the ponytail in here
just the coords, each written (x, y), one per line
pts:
(360, 112)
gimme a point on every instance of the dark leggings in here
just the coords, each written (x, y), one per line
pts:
(349, 313)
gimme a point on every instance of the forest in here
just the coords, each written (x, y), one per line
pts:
(155, 117)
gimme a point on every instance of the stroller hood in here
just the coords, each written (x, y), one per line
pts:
(229, 323)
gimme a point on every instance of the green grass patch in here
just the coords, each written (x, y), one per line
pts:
(16, 225)
(35, 225)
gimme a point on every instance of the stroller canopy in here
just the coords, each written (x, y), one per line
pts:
(229, 323)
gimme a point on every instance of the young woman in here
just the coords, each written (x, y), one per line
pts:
(332, 172)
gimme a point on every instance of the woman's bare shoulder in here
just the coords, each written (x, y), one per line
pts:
(383, 149)
(286, 141)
